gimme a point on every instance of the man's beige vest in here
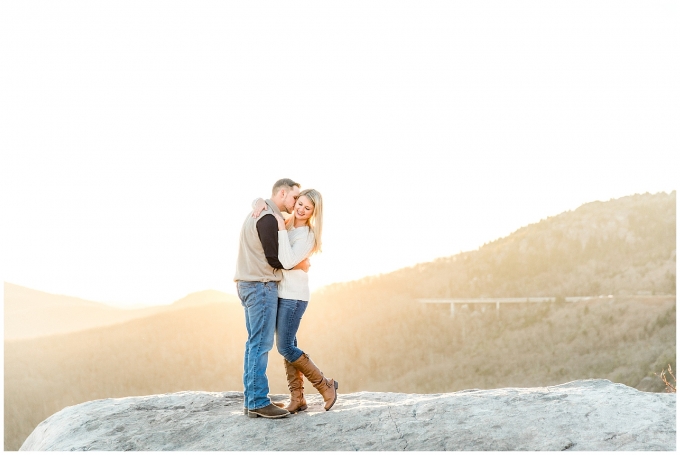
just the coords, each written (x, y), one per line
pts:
(251, 264)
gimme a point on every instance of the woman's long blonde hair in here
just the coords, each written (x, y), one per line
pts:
(315, 222)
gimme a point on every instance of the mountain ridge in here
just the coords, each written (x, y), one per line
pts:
(623, 246)
(504, 267)
(31, 313)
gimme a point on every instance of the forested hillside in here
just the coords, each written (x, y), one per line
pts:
(623, 246)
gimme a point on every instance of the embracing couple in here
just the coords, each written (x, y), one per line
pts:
(271, 280)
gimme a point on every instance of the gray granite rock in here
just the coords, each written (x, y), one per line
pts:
(580, 415)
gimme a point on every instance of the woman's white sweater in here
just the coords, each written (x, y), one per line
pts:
(294, 246)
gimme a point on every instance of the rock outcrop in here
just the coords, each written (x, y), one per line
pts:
(580, 415)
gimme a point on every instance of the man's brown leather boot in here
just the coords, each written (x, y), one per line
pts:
(326, 387)
(270, 411)
(295, 385)
(275, 403)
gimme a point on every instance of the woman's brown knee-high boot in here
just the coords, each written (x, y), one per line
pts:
(326, 387)
(295, 382)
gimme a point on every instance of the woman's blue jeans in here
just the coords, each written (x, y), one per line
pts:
(288, 319)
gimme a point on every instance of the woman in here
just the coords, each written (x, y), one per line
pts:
(299, 238)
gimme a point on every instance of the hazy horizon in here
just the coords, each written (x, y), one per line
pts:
(123, 306)
(135, 146)
(136, 305)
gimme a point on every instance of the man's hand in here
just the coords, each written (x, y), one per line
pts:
(304, 266)
(260, 205)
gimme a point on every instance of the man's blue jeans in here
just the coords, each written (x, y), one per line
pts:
(287, 323)
(260, 301)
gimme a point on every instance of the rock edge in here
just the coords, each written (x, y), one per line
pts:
(579, 415)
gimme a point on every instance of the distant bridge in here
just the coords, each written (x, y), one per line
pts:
(464, 302)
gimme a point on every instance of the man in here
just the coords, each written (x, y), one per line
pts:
(258, 272)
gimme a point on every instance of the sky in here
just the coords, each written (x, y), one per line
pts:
(135, 134)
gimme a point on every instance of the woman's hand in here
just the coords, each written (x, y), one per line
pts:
(282, 224)
(304, 265)
(259, 206)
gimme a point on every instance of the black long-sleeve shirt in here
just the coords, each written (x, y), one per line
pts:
(268, 231)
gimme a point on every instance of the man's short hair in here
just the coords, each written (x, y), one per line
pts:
(288, 184)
